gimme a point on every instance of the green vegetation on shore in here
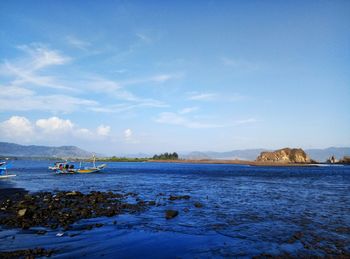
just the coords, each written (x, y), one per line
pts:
(166, 156)
(122, 159)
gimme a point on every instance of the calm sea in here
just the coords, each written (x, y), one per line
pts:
(246, 211)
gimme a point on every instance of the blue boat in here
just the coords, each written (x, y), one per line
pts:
(3, 170)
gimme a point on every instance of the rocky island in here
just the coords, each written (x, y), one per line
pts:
(285, 155)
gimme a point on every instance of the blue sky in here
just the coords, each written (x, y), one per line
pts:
(120, 77)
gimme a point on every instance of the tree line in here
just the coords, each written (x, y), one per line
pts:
(166, 156)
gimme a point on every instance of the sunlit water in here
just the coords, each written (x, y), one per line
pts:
(246, 211)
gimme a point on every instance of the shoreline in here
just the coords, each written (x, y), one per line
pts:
(234, 162)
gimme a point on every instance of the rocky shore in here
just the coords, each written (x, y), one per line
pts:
(62, 209)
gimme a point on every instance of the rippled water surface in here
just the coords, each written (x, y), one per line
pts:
(246, 211)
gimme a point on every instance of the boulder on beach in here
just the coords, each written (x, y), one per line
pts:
(285, 155)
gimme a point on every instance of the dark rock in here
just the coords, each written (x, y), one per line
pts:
(198, 205)
(27, 253)
(296, 236)
(63, 208)
(169, 214)
(41, 232)
(179, 197)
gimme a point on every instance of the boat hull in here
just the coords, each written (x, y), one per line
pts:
(81, 171)
(7, 176)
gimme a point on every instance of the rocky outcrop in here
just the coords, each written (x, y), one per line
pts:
(285, 155)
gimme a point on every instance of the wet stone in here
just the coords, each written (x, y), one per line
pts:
(41, 232)
(61, 209)
(179, 197)
(170, 214)
(198, 205)
(27, 253)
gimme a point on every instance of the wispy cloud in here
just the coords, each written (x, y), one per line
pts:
(41, 56)
(25, 74)
(14, 98)
(118, 91)
(28, 69)
(203, 96)
(240, 64)
(144, 38)
(77, 43)
(245, 121)
(124, 107)
(180, 120)
(188, 110)
(158, 78)
(212, 96)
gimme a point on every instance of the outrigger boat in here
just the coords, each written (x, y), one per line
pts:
(66, 168)
(3, 170)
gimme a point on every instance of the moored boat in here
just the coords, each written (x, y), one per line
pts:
(3, 170)
(66, 168)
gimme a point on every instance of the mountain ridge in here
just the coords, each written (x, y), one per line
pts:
(17, 150)
(317, 154)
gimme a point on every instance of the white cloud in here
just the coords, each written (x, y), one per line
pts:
(129, 137)
(245, 121)
(240, 64)
(27, 73)
(158, 78)
(14, 92)
(211, 96)
(188, 110)
(25, 76)
(50, 130)
(116, 89)
(203, 96)
(77, 43)
(176, 119)
(16, 127)
(55, 125)
(42, 57)
(162, 78)
(127, 134)
(143, 37)
(103, 130)
(26, 70)
(27, 100)
(124, 107)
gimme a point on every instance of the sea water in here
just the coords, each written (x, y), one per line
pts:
(246, 211)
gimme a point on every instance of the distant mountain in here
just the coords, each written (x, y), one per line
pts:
(244, 154)
(322, 155)
(15, 150)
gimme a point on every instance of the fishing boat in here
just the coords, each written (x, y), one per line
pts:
(66, 168)
(3, 170)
